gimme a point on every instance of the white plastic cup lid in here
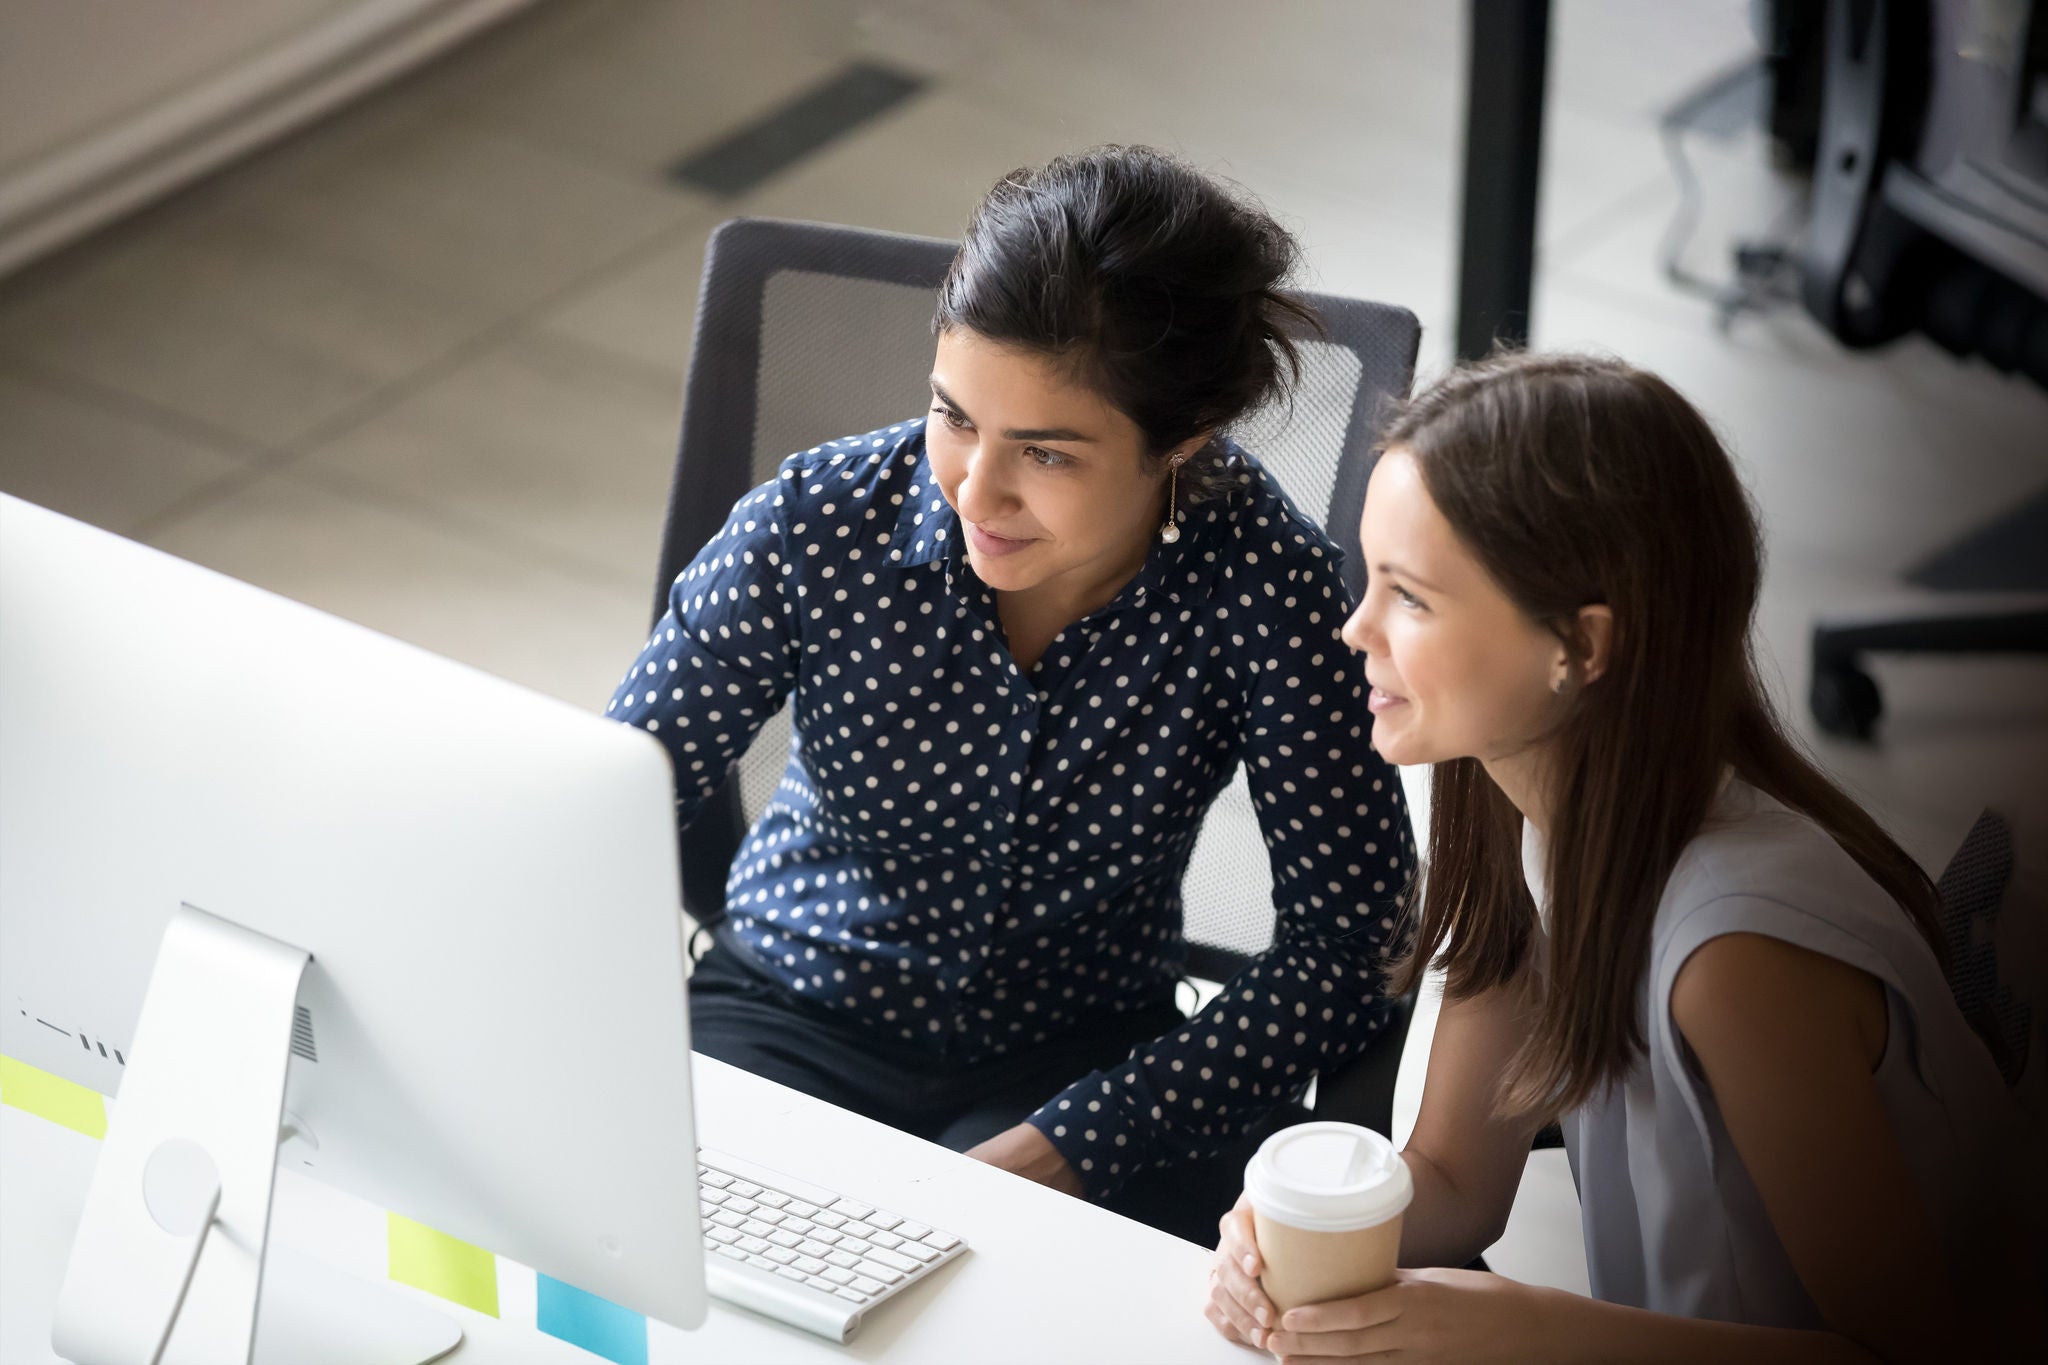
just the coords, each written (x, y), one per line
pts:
(1328, 1177)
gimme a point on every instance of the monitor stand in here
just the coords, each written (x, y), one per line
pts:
(169, 1261)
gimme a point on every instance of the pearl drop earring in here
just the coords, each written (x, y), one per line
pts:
(1170, 532)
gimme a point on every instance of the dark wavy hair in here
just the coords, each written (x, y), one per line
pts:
(1574, 480)
(1161, 288)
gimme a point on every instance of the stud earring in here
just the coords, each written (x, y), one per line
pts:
(1170, 531)
(1559, 686)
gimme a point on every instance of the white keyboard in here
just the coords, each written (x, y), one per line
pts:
(805, 1255)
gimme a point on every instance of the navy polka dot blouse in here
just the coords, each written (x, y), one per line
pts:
(973, 859)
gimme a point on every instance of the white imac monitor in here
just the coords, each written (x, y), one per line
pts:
(268, 875)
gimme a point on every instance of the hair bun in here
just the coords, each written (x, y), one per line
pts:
(1163, 287)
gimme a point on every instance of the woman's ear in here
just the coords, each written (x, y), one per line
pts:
(1595, 630)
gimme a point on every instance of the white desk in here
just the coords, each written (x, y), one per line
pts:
(1049, 1278)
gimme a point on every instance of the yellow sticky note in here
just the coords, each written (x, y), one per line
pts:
(444, 1265)
(52, 1097)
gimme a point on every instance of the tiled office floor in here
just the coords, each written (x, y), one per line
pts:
(419, 365)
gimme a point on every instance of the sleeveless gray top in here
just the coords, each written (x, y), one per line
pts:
(1672, 1222)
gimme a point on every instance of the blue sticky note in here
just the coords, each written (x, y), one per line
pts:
(599, 1326)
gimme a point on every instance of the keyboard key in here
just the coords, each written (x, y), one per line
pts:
(868, 1286)
(745, 1187)
(795, 1224)
(810, 1265)
(826, 1218)
(859, 1229)
(761, 1261)
(838, 1276)
(886, 1239)
(785, 1239)
(810, 1248)
(772, 1199)
(825, 1235)
(753, 1244)
(818, 1282)
(845, 1293)
(803, 1210)
(717, 1180)
(791, 1272)
(919, 1251)
(740, 1205)
(733, 1252)
(727, 1220)
(726, 1235)
(754, 1227)
(890, 1258)
(941, 1241)
(768, 1215)
(780, 1255)
(713, 1196)
(840, 1258)
(913, 1231)
(876, 1270)
(851, 1208)
(885, 1221)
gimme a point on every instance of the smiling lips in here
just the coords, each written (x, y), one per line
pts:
(989, 543)
(1381, 701)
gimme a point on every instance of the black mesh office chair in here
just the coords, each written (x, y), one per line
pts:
(1930, 212)
(807, 331)
(1999, 998)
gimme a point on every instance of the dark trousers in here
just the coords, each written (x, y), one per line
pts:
(742, 1016)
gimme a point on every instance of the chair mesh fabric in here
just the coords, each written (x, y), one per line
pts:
(1971, 889)
(806, 332)
(838, 356)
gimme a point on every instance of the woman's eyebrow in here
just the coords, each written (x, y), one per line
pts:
(1398, 572)
(1016, 433)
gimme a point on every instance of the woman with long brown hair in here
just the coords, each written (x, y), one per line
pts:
(1661, 926)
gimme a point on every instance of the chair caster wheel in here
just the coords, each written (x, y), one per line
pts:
(1845, 701)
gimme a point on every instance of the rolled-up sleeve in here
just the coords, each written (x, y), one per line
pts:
(1338, 839)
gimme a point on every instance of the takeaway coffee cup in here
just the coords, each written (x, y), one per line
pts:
(1327, 1200)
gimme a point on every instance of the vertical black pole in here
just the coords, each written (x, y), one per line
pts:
(1510, 42)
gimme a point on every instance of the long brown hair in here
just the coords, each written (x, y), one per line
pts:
(1577, 480)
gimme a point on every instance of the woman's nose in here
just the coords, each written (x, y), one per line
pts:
(982, 494)
(1362, 632)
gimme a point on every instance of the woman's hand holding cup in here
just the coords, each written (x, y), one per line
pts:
(1319, 1220)
(1238, 1306)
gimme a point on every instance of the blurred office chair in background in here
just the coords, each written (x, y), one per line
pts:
(807, 331)
(1930, 213)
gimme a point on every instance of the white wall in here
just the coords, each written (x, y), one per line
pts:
(72, 68)
(105, 104)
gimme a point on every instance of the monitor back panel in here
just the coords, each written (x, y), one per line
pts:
(492, 1037)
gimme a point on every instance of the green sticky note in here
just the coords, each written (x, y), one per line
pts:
(52, 1097)
(444, 1265)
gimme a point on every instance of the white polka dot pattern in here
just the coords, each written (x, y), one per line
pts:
(975, 860)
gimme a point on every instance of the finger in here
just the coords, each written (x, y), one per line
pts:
(1252, 1318)
(1322, 1347)
(1241, 1241)
(1249, 1294)
(1238, 1318)
(1345, 1315)
(1227, 1326)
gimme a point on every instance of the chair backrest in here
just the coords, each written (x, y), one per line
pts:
(1973, 890)
(807, 331)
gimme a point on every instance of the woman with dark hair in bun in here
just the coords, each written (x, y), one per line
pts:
(1029, 638)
